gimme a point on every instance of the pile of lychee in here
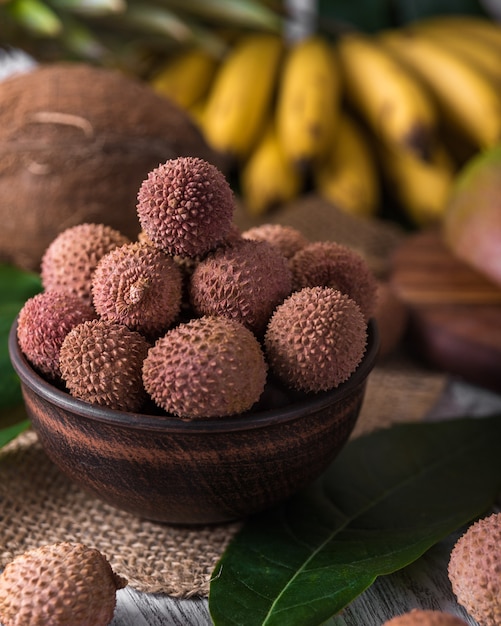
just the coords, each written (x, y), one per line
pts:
(194, 318)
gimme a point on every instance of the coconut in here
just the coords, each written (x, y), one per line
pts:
(75, 144)
(59, 584)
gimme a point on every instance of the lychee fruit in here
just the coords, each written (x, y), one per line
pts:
(70, 260)
(244, 282)
(475, 570)
(59, 584)
(315, 339)
(287, 239)
(331, 264)
(139, 286)
(185, 206)
(205, 368)
(418, 617)
(43, 323)
(101, 363)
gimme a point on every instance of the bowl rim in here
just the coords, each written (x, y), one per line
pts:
(165, 423)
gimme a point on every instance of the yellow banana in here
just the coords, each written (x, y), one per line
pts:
(477, 51)
(308, 100)
(467, 97)
(421, 188)
(186, 78)
(197, 111)
(240, 99)
(268, 178)
(472, 27)
(395, 105)
(349, 175)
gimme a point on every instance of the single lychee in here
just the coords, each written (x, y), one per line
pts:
(43, 323)
(70, 260)
(185, 206)
(475, 570)
(315, 339)
(59, 584)
(244, 282)
(331, 264)
(287, 239)
(139, 286)
(205, 368)
(418, 617)
(101, 363)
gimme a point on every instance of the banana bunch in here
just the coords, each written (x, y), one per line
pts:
(187, 77)
(355, 119)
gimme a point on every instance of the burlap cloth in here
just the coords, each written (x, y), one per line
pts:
(39, 505)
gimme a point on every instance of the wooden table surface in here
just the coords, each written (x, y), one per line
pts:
(424, 584)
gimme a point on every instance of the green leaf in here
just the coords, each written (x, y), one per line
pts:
(90, 7)
(159, 20)
(244, 13)
(11, 432)
(81, 42)
(36, 17)
(16, 286)
(387, 498)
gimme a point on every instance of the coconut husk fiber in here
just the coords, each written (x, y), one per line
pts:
(40, 505)
(76, 142)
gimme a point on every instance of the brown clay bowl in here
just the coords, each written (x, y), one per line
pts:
(164, 469)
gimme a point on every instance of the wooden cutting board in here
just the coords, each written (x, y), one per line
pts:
(455, 311)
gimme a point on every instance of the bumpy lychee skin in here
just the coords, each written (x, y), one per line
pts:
(418, 617)
(71, 258)
(244, 282)
(139, 286)
(59, 584)
(43, 323)
(101, 363)
(287, 239)
(475, 570)
(185, 206)
(315, 339)
(208, 367)
(331, 264)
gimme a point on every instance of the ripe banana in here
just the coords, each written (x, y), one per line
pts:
(468, 97)
(240, 99)
(186, 78)
(349, 175)
(197, 111)
(308, 100)
(395, 105)
(471, 27)
(420, 187)
(268, 178)
(477, 51)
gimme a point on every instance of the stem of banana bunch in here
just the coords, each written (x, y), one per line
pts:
(301, 19)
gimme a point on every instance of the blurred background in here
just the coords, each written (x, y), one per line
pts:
(183, 49)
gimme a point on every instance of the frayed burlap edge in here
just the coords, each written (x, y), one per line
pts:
(40, 506)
